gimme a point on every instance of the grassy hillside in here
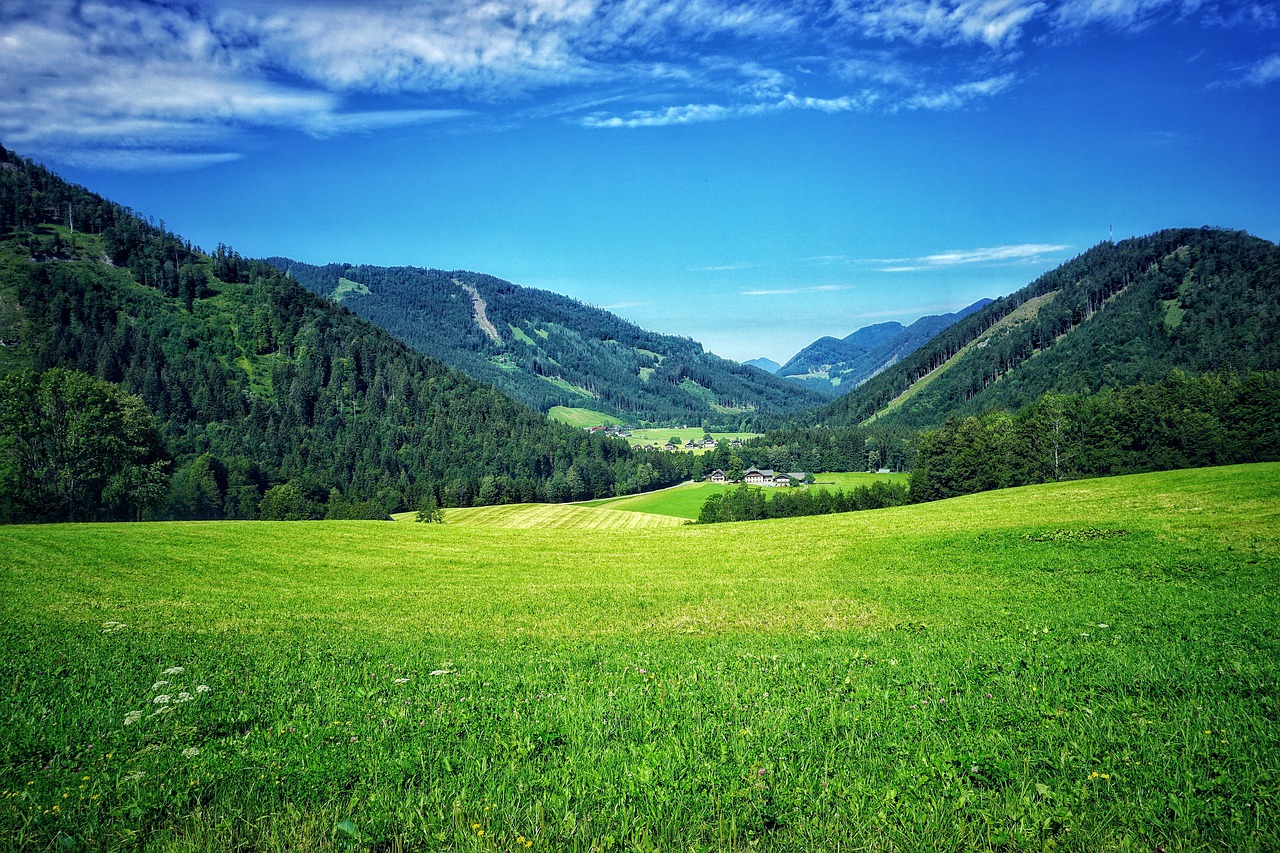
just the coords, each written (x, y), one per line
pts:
(581, 417)
(1083, 666)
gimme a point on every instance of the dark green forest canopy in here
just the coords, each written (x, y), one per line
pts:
(256, 383)
(545, 349)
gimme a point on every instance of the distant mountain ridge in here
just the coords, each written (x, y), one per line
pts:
(768, 365)
(546, 350)
(835, 366)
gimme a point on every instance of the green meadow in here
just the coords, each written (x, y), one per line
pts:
(686, 500)
(658, 436)
(581, 417)
(683, 501)
(845, 481)
(1087, 666)
(556, 516)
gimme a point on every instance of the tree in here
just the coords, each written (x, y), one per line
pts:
(429, 511)
(73, 447)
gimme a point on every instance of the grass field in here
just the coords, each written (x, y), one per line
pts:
(658, 436)
(851, 480)
(683, 501)
(581, 417)
(555, 517)
(1086, 666)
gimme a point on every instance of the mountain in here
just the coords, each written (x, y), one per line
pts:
(1121, 314)
(545, 350)
(768, 365)
(268, 399)
(835, 366)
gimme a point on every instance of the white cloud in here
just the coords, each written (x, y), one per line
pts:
(989, 255)
(196, 80)
(995, 23)
(697, 113)
(960, 95)
(1264, 72)
(1117, 14)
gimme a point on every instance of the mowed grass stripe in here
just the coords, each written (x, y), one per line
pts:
(556, 517)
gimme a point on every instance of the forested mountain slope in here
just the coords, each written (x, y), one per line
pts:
(1122, 313)
(257, 385)
(835, 366)
(548, 350)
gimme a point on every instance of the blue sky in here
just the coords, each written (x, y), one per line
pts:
(753, 175)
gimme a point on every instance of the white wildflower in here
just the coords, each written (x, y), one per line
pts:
(135, 776)
(112, 627)
(1103, 625)
(441, 671)
(173, 670)
(190, 752)
(163, 699)
(401, 681)
(159, 684)
(132, 717)
(203, 688)
(184, 697)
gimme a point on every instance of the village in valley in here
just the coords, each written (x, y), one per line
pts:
(750, 476)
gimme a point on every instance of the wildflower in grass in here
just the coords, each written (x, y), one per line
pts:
(132, 717)
(173, 670)
(202, 688)
(162, 699)
(190, 752)
(159, 684)
(401, 681)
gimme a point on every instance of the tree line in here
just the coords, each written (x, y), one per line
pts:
(1185, 420)
(746, 503)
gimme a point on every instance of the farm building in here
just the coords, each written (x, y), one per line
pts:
(769, 477)
(718, 476)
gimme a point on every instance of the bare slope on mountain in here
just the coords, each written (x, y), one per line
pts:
(1121, 313)
(548, 350)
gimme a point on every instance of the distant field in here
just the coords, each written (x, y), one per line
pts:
(659, 437)
(555, 516)
(581, 417)
(683, 501)
(851, 480)
(1087, 666)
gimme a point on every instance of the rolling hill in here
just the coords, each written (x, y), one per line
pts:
(548, 350)
(259, 389)
(1200, 300)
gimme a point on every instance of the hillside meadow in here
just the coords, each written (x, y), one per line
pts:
(1084, 666)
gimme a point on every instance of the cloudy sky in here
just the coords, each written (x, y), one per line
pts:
(750, 174)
